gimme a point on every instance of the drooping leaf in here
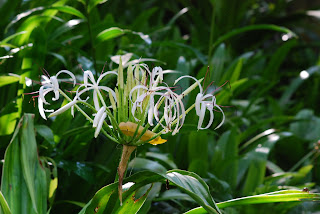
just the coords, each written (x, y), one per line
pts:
(109, 33)
(188, 182)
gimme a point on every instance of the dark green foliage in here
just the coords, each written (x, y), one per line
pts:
(256, 49)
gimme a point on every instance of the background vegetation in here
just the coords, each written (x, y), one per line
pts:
(268, 51)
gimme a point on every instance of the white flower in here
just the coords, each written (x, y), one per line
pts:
(96, 87)
(49, 85)
(203, 103)
(173, 111)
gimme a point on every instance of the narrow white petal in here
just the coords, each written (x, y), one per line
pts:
(55, 87)
(42, 93)
(95, 100)
(63, 108)
(198, 103)
(70, 74)
(105, 74)
(223, 117)
(201, 116)
(98, 129)
(40, 107)
(85, 78)
(98, 116)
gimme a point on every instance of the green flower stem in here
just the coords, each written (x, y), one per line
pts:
(87, 116)
(126, 153)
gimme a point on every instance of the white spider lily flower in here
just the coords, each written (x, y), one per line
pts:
(52, 84)
(173, 110)
(94, 85)
(139, 101)
(49, 85)
(98, 120)
(202, 104)
(71, 104)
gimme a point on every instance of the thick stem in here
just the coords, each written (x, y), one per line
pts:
(126, 153)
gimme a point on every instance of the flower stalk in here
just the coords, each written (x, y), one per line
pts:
(122, 168)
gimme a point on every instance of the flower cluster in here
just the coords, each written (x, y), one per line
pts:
(139, 101)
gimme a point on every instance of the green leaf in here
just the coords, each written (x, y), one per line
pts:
(251, 28)
(195, 187)
(272, 197)
(188, 182)
(4, 205)
(132, 204)
(307, 125)
(6, 80)
(109, 33)
(93, 3)
(69, 10)
(23, 178)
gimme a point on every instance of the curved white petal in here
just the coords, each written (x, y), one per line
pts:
(105, 74)
(63, 108)
(98, 129)
(55, 87)
(86, 75)
(70, 74)
(42, 93)
(98, 116)
(187, 76)
(223, 118)
(40, 107)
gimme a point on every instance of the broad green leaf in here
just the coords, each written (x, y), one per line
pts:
(174, 194)
(132, 204)
(6, 80)
(8, 118)
(69, 10)
(142, 163)
(109, 33)
(4, 205)
(195, 187)
(24, 180)
(273, 197)
(307, 125)
(188, 182)
(46, 133)
(164, 158)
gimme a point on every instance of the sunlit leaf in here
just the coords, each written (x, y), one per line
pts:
(93, 3)
(109, 33)
(6, 80)
(69, 10)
